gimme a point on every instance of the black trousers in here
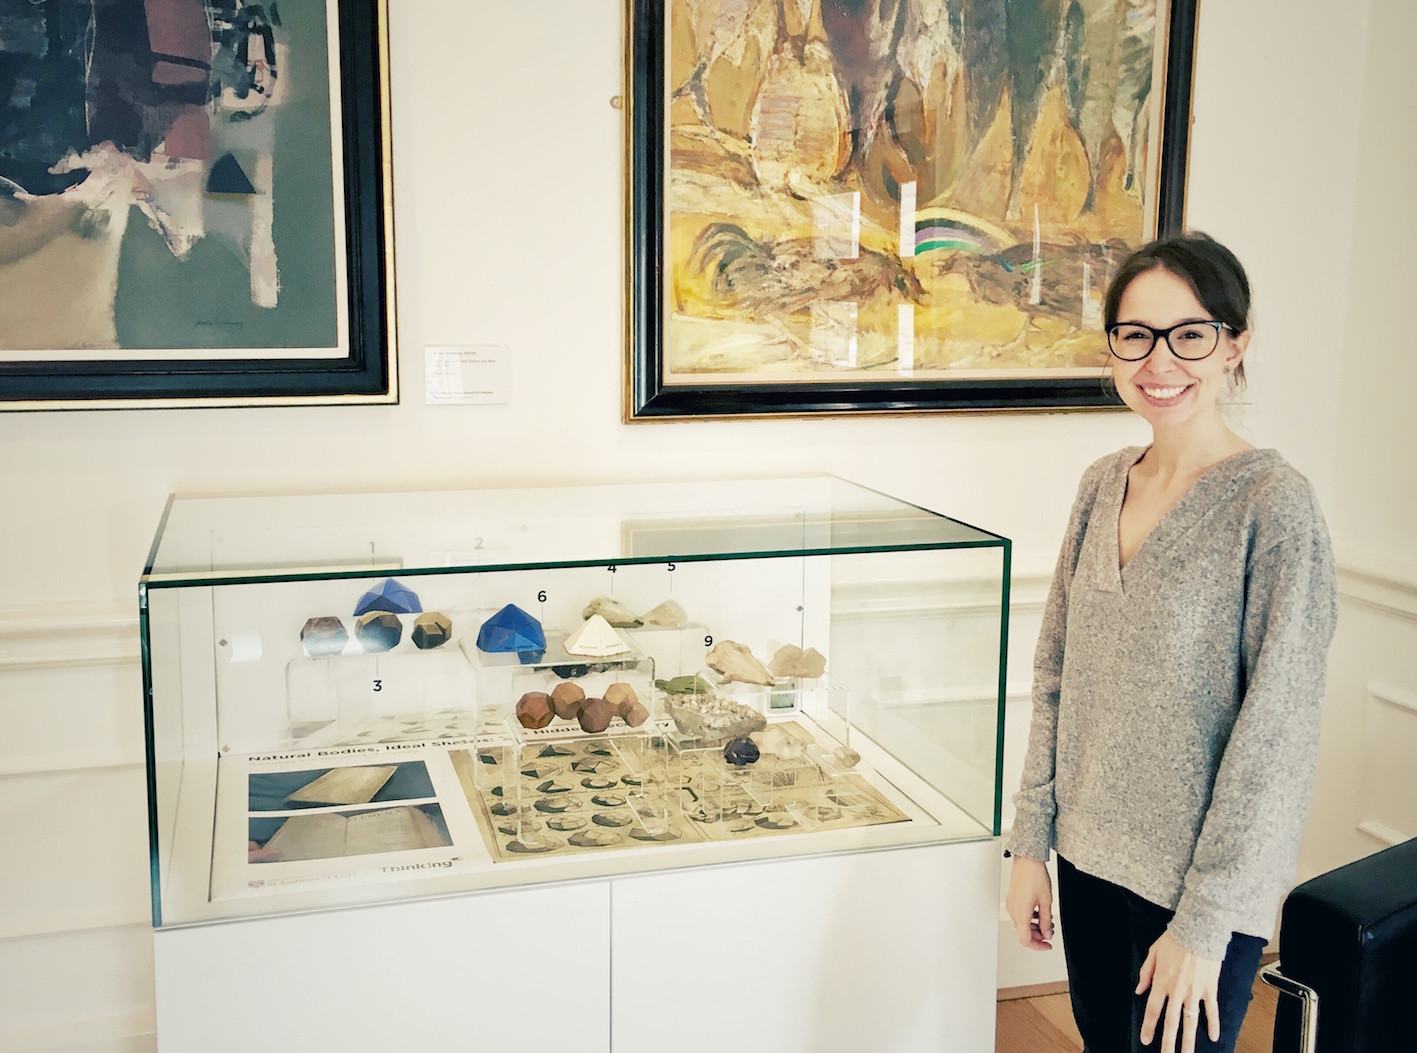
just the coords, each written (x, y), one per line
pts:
(1107, 932)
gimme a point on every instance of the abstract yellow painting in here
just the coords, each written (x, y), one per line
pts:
(893, 204)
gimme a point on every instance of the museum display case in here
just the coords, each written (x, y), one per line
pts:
(359, 698)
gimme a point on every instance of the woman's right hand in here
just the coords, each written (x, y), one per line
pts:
(1030, 903)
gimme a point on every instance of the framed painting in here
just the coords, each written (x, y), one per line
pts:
(843, 206)
(195, 203)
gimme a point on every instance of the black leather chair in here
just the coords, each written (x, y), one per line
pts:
(1348, 953)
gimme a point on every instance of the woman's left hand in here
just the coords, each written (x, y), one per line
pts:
(1183, 981)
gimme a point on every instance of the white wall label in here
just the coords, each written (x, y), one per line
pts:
(468, 374)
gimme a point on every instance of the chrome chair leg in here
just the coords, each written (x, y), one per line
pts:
(1309, 1022)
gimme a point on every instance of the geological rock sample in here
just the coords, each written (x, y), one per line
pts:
(324, 636)
(596, 639)
(712, 719)
(432, 630)
(634, 713)
(668, 615)
(378, 631)
(736, 662)
(566, 699)
(595, 715)
(619, 694)
(613, 611)
(389, 596)
(741, 751)
(534, 710)
(793, 661)
(846, 756)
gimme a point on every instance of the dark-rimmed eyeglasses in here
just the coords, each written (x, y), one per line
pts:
(1189, 341)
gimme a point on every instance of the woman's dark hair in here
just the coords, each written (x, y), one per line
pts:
(1208, 267)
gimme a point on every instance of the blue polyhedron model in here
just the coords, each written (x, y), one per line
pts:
(511, 629)
(389, 596)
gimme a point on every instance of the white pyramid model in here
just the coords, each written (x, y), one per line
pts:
(596, 639)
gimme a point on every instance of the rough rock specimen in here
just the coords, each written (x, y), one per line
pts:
(322, 636)
(613, 611)
(620, 695)
(566, 699)
(534, 709)
(711, 719)
(667, 615)
(432, 630)
(634, 713)
(596, 639)
(595, 715)
(735, 662)
(685, 685)
(389, 596)
(791, 660)
(511, 629)
(846, 756)
(741, 751)
(378, 631)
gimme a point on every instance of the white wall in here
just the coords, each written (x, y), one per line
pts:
(508, 194)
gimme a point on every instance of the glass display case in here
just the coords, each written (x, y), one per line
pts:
(353, 698)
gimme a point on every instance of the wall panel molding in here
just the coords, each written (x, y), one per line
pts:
(53, 636)
(1393, 696)
(1388, 587)
(1381, 832)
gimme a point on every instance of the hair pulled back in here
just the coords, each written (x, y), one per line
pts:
(1212, 272)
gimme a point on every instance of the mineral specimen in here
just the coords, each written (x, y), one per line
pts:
(556, 805)
(641, 834)
(713, 720)
(322, 636)
(431, 630)
(534, 709)
(608, 800)
(634, 714)
(846, 756)
(597, 782)
(566, 823)
(378, 631)
(566, 698)
(596, 639)
(685, 685)
(613, 611)
(389, 596)
(531, 846)
(741, 751)
(620, 695)
(610, 819)
(736, 662)
(595, 715)
(793, 661)
(552, 786)
(667, 615)
(511, 629)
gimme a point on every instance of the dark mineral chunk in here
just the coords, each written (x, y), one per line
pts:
(741, 751)
(432, 630)
(378, 631)
(323, 636)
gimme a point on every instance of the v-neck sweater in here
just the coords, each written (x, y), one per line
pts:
(1176, 699)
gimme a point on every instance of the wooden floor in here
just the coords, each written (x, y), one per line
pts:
(1044, 1024)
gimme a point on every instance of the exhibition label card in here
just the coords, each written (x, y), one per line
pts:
(468, 374)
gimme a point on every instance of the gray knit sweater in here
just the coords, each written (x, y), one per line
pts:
(1176, 700)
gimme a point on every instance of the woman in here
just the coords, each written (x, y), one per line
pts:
(1177, 682)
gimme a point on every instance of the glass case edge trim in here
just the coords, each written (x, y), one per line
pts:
(1001, 713)
(150, 750)
(159, 582)
(157, 543)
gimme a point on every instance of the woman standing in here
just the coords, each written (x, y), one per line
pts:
(1177, 682)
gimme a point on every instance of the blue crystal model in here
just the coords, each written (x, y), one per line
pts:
(389, 596)
(511, 629)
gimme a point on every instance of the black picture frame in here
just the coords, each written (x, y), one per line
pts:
(368, 373)
(649, 398)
